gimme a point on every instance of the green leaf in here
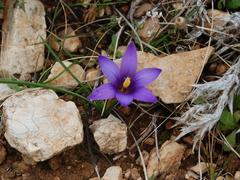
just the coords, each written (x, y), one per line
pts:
(112, 46)
(231, 138)
(118, 54)
(236, 116)
(221, 126)
(163, 39)
(236, 103)
(151, 178)
(16, 87)
(227, 120)
(221, 4)
(232, 4)
(113, 43)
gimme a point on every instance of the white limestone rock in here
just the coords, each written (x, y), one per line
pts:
(24, 30)
(5, 91)
(170, 156)
(40, 125)
(67, 38)
(179, 72)
(142, 10)
(198, 169)
(110, 135)
(91, 76)
(60, 77)
(237, 175)
(202, 167)
(113, 173)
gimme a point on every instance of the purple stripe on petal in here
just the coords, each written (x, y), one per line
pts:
(129, 61)
(105, 91)
(144, 95)
(124, 99)
(109, 69)
(145, 76)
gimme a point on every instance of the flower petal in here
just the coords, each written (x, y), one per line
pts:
(105, 91)
(129, 61)
(109, 69)
(145, 95)
(124, 99)
(145, 76)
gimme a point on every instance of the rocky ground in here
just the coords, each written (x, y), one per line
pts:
(49, 66)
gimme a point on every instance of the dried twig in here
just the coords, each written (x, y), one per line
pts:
(134, 5)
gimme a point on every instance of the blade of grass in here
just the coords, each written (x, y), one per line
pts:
(33, 84)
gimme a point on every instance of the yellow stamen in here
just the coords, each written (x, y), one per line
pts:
(127, 82)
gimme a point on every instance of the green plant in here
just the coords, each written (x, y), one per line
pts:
(113, 45)
(229, 124)
(229, 4)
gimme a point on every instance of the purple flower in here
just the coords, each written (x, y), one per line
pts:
(125, 84)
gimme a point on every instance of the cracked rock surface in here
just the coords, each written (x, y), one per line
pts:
(59, 76)
(170, 156)
(110, 135)
(40, 125)
(113, 173)
(5, 91)
(24, 30)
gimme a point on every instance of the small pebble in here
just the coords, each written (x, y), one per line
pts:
(229, 177)
(135, 173)
(149, 29)
(54, 163)
(110, 134)
(70, 40)
(177, 6)
(188, 139)
(108, 10)
(149, 141)
(124, 8)
(113, 173)
(56, 178)
(101, 12)
(221, 68)
(191, 175)
(220, 178)
(212, 67)
(202, 167)
(91, 76)
(127, 174)
(142, 10)
(210, 78)
(145, 155)
(237, 175)
(94, 178)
